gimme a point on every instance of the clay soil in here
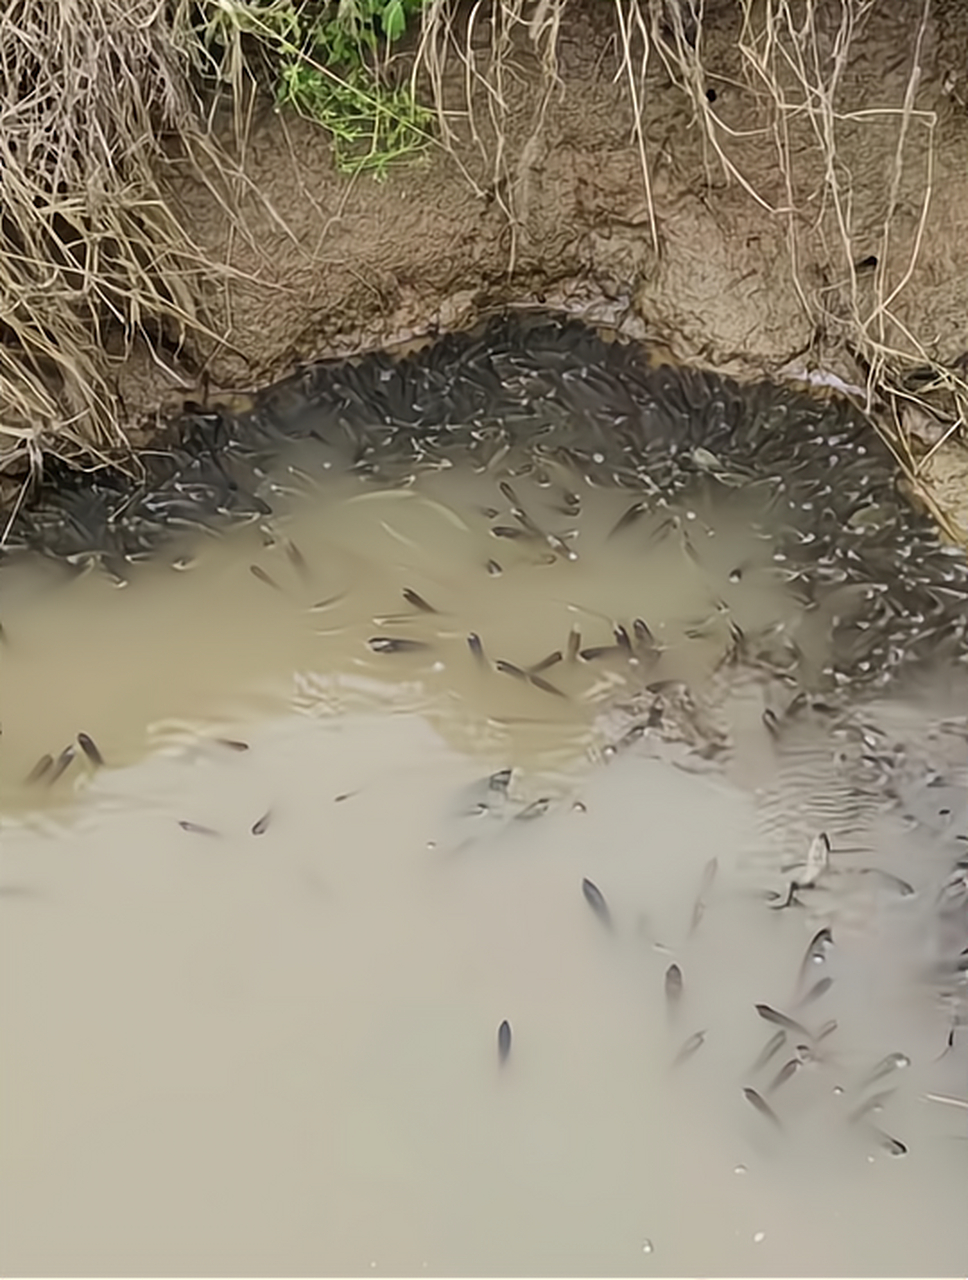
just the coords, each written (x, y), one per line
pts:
(558, 215)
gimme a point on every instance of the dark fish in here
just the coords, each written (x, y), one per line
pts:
(594, 898)
(892, 1062)
(61, 764)
(643, 636)
(545, 685)
(770, 1050)
(781, 1020)
(500, 781)
(622, 638)
(298, 560)
(260, 573)
(815, 952)
(40, 768)
(509, 669)
(393, 644)
(574, 644)
(475, 646)
(635, 510)
(673, 984)
(493, 568)
(196, 828)
(89, 747)
(905, 889)
(509, 493)
(551, 660)
(508, 531)
(694, 1042)
(599, 651)
(233, 744)
(762, 1106)
(784, 1074)
(417, 601)
(818, 989)
(893, 1146)
(259, 828)
(503, 1041)
(771, 722)
(536, 809)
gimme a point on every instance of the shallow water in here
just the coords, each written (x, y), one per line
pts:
(251, 998)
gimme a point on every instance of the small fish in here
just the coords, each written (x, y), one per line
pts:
(771, 722)
(298, 560)
(893, 1146)
(622, 638)
(816, 991)
(818, 861)
(631, 515)
(509, 669)
(493, 568)
(574, 644)
(475, 646)
(892, 1062)
(599, 651)
(781, 1020)
(260, 573)
(552, 660)
(786, 1072)
(673, 984)
(232, 744)
(500, 781)
(905, 889)
(536, 809)
(595, 899)
(509, 493)
(259, 828)
(196, 828)
(89, 747)
(45, 763)
(503, 1041)
(699, 906)
(762, 1106)
(508, 531)
(826, 1030)
(770, 1050)
(643, 636)
(544, 685)
(417, 601)
(61, 765)
(694, 1043)
(393, 644)
(322, 605)
(815, 952)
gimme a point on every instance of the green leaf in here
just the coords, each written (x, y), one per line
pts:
(393, 20)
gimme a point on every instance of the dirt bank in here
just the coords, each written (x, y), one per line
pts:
(777, 229)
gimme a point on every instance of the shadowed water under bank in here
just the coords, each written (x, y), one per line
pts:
(531, 688)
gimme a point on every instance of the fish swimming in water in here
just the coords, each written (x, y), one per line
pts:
(596, 900)
(503, 1041)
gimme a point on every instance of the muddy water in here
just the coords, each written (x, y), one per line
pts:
(254, 966)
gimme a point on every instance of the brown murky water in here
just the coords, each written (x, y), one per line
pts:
(251, 998)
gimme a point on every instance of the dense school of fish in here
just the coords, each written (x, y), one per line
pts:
(575, 405)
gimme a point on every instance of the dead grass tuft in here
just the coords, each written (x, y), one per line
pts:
(95, 99)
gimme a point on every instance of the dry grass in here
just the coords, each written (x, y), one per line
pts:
(90, 93)
(97, 95)
(794, 56)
